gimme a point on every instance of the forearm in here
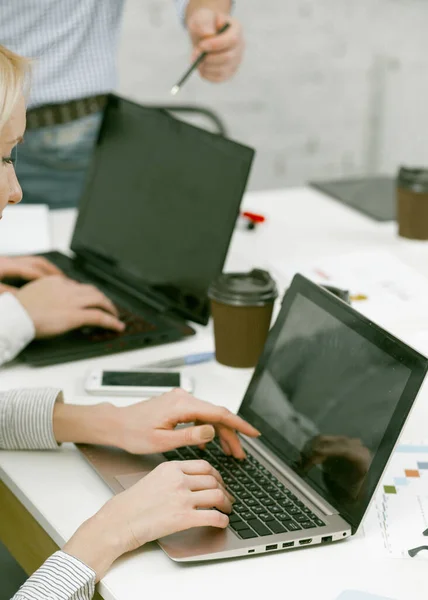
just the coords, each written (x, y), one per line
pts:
(85, 424)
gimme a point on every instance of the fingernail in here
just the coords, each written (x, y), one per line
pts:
(207, 433)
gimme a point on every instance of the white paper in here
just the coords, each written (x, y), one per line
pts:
(399, 517)
(381, 286)
(25, 229)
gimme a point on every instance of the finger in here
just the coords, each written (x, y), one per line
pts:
(212, 499)
(94, 318)
(7, 288)
(225, 446)
(91, 296)
(27, 272)
(228, 40)
(197, 483)
(191, 409)
(45, 266)
(208, 518)
(215, 77)
(232, 440)
(199, 467)
(220, 59)
(187, 436)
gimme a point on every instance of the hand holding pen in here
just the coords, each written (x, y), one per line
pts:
(218, 46)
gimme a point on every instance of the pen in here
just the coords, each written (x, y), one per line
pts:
(182, 361)
(195, 64)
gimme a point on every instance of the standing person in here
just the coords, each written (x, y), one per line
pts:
(74, 44)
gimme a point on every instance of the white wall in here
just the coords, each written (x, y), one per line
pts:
(328, 87)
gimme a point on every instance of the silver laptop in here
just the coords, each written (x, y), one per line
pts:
(330, 394)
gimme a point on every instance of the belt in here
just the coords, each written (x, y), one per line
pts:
(58, 114)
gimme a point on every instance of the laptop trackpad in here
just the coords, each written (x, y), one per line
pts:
(127, 481)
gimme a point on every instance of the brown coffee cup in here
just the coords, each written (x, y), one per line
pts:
(241, 306)
(412, 203)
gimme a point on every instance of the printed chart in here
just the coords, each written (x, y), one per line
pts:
(399, 518)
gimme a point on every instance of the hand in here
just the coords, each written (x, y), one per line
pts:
(225, 51)
(166, 501)
(149, 427)
(57, 305)
(26, 267)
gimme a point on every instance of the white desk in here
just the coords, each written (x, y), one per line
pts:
(60, 489)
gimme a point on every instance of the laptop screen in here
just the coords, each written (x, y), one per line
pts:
(330, 395)
(161, 202)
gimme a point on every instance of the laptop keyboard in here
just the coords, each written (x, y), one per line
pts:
(263, 505)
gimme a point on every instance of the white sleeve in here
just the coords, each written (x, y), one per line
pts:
(61, 577)
(16, 327)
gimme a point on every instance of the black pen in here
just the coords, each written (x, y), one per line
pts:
(195, 64)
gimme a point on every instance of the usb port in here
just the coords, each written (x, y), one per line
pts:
(287, 544)
(304, 542)
(251, 551)
(327, 539)
(272, 547)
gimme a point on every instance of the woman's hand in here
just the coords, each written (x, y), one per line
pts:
(26, 267)
(166, 501)
(150, 426)
(57, 305)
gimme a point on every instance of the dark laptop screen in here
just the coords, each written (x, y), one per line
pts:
(331, 394)
(161, 202)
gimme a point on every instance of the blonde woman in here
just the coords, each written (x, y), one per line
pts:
(165, 501)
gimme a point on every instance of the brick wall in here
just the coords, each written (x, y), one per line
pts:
(328, 87)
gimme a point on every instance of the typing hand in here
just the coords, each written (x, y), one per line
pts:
(25, 268)
(57, 305)
(164, 502)
(150, 426)
(225, 51)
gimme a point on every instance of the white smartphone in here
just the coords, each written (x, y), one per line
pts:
(151, 382)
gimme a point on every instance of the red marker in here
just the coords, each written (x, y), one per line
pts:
(255, 218)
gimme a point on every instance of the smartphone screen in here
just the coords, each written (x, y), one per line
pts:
(140, 379)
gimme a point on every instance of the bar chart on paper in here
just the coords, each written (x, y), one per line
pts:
(400, 514)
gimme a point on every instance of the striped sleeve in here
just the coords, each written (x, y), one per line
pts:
(26, 419)
(61, 577)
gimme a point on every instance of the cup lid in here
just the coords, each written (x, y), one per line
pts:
(254, 288)
(413, 179)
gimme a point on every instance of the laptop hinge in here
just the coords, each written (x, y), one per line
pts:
(258, 446)
(104, 268)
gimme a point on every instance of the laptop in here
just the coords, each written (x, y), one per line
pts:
(330, 394)
(153, 230)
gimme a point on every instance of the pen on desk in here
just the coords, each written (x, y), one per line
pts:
(182, 361)
(195, 64)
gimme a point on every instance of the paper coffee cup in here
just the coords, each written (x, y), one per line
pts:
(241, 307)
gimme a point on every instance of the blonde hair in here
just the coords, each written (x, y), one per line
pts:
(14, 70)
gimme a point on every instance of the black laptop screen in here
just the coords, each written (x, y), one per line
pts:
(161, 202)
(331, 394)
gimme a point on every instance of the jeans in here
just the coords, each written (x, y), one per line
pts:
(52, 162)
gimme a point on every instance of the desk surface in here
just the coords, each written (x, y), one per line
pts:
(60, 489)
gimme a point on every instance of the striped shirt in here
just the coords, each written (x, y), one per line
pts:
(74, 44)
(26, 423)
